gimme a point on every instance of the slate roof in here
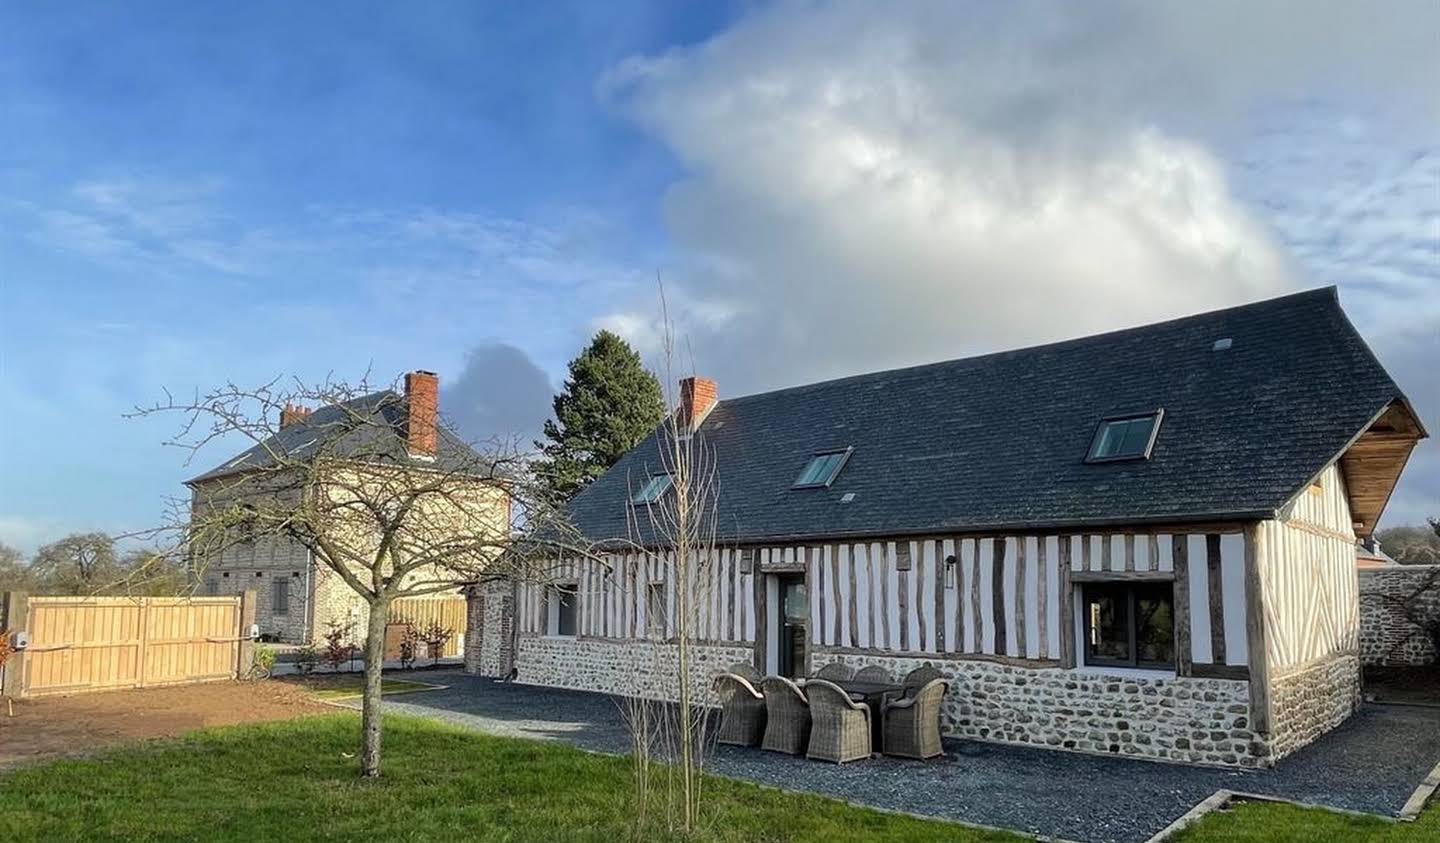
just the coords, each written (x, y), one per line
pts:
(372, 426)
(998, 442)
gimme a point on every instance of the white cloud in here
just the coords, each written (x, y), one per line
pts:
(873, 187)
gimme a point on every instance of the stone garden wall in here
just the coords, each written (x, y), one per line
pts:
(1386, 636)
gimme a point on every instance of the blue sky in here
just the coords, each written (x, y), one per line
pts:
(193, 194)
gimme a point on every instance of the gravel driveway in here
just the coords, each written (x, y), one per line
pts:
(1371, 763)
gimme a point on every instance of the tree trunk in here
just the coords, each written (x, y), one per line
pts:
(370, 707)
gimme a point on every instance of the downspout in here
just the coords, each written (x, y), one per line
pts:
(309, 598)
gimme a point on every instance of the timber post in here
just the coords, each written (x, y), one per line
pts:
(245, 652)
(14, 614)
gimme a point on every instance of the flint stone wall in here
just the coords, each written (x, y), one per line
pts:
(1387, 637)
(1311, 701)
(1197, 721)
(623, 667)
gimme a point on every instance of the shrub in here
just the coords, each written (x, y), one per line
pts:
(307, 658)
(265, 658)
(338, 648)
(435, 638)
(409, 646)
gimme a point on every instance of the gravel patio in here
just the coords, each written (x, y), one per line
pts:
(1372, 763)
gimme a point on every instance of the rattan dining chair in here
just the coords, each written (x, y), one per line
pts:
(874, 673)
(840, 730)
(742, 710)
(787, 716)
(835, 672)
(912, 724)
(747, 670)
(920, 677)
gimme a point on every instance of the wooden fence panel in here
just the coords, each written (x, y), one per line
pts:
(80, 644)
(447, 610)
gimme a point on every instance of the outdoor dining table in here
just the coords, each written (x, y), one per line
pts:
(874, 695)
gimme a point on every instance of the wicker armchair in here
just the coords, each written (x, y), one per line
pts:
(787, 716)
(835, 672)
(841, 730)
(747, 671)
(912, 724)
(874, 673)
(919, 678)
(742, 710)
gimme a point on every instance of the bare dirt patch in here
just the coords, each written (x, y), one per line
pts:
(55, 726)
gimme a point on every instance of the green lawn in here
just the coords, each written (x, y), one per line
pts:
(292, 780)
(1258, 821)
(350, 686)
(296, 780)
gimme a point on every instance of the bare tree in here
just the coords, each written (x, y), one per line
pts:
(382, 494)
(681, 524)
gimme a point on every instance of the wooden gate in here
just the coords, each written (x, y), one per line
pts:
(80, 644)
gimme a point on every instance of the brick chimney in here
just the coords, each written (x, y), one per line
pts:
(422, 396)
(697, 398)
(292, 413)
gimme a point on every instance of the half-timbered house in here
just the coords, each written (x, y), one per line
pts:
(1140, 543)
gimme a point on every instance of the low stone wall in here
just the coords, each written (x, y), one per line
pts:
(1309, 702)
(623, 667)
(1198, 721)
(1387, 637)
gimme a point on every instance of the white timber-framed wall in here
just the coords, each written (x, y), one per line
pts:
(1266, 620)
(1309, 591)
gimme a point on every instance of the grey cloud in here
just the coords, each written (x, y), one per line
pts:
(501, 394)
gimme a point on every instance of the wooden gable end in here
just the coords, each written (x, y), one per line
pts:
(1372, 464)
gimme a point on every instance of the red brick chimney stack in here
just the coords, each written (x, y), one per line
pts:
(422, 396)
(292, 413)
(697, 397)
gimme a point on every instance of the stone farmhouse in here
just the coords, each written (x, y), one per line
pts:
(1138, 543)
(297, 595)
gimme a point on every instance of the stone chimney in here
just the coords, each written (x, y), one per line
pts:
(422, 397)
(698, 397)
(292, 413)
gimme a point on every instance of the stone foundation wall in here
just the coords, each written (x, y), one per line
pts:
(1198, 721)
(623, 667)
(1309, 702)
(1387, 637)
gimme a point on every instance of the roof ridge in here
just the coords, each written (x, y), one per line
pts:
(1315, 292)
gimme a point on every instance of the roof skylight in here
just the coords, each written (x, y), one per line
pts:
(653, 489)
(1125, 437)
(820, 472)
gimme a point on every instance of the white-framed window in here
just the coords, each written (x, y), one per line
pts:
(561, 603)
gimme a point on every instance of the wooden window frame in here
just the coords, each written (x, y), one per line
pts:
(1129, 587)
(1158, 418)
